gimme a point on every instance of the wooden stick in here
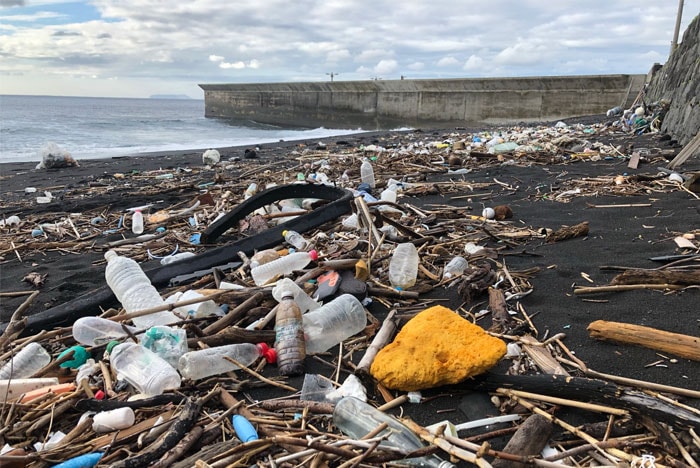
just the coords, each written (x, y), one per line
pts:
(234, 314)
(684, 346)
(260, 377)
(383, 336)
(529, 439)
(624, 287)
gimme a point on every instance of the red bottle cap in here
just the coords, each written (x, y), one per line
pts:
(313, 254)
(99, 395)
(268, 353)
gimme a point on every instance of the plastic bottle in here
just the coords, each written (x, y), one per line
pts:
(135, 291)
(137, 222)
(367, 173)
(356, 419)
(81, 461)
(176, 258)
(263, 256)
(250, 191)
(96, 331)
(403, 266)
(25, 363)
(167, 342)
(283, 265)
(302, 299)
(204, 363)
(388, 194)
(145, 370)
(113, 420)
(296, 239)
(289, 336)
(333, 322)
(455, 267)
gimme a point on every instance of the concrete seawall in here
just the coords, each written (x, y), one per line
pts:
(385, 104)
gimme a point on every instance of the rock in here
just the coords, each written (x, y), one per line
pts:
(436, 347)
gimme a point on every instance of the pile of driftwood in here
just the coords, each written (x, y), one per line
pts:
(635, 423)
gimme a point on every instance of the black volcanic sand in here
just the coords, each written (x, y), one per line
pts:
(618, 236)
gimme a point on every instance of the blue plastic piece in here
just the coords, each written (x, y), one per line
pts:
(194, 238)
(160, 229)
(88, 460)
(80, 355)
(244, 429)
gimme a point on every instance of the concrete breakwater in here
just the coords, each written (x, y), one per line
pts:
(386, 104)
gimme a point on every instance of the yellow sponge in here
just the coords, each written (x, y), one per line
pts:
(436, 347)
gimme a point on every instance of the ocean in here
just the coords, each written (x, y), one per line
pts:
(94, 128)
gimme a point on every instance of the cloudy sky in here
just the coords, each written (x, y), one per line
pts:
(136, 48)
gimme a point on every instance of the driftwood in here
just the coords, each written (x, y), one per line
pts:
(529, 439)
(598, 391)
(231, 335)
(682, 278)
(684, 346)
(569, 232)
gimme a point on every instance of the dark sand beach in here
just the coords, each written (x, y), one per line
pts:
(629, 223)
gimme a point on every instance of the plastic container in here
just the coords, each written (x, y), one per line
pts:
(135, 291)
(333, 322)
(296, 239)
(283, 265)
(145, 370)
(388, 195)
(113, 420)
(356, 419)
(81, 461)
(137, 222)
(289, 336)
(302, 299)
(25, 363)
(244, 429)
(263, 257)
(167, 342)
(403, 266)
(204, 363)
(455, 267)
(96, 331)
(367, 173)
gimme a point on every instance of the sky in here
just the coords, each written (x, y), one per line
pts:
(138, 48)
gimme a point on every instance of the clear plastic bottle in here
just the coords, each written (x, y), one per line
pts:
(333, 322)
(289, 336)
(135, 291)
(167, 342)
(96, 331)
(455, 267)
(302, 299)
(356, 419)
(204, 363)
(367, 173)
(145, 370)
(263, 256)
(297, 240)
(283, 265)
(176, 258)
(25, 363)
(137, 222)
(403, 266)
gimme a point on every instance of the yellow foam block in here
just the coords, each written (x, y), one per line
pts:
(436, 347)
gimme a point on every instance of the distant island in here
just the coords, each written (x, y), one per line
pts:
(169, 96)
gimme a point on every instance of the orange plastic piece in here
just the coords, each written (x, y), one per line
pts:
(57, 389)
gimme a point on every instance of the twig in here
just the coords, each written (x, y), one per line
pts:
(624, 287)
(258, 376)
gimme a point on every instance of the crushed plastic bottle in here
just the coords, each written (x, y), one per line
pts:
(167, 342)
(296, 239)
(96, 331)
(26, 362)
(333, 322)
(145, 370)
(403, 266)
(283, 265)
(455, 267)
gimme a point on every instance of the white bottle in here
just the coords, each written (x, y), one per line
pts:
(388, 195)
(176, 258)
(302, 299)
(333, 322)
(137, 222)
(96, 331)
(113, 420)
(283, 265)
(403, 266)
(25, 363)
(145, 370)
(367, 173)
(135, 291)
(455, 267)
(296, 239)
(204, 363)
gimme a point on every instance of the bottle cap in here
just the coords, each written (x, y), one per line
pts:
(110, 254)
(313, 254)
(284, 233)
(268, 353)
(111, 345)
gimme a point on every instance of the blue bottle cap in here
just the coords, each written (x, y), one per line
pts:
(80, 355)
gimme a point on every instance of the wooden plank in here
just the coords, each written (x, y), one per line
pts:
(691, 149)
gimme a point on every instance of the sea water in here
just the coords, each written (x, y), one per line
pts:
(94, 128)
